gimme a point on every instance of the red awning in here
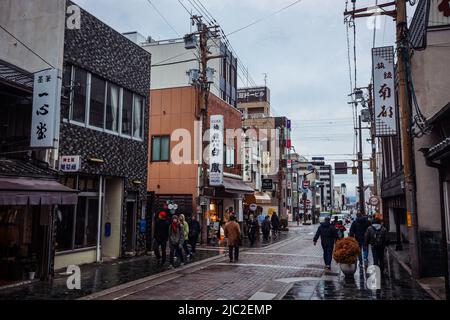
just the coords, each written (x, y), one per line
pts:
(35, 191)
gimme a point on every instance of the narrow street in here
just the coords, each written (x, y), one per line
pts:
(142, 142)
(291, 270)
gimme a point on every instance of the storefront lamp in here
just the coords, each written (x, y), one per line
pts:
(96, 160)
(137, 182)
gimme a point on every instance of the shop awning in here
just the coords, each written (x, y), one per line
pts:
(262, 197)
(236, 186)
(35, 191)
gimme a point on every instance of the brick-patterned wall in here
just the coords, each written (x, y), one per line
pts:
(105, 52)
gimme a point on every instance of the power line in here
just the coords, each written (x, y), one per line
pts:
(263, 18)
(27, 47)
(175, 62)
(161, 15)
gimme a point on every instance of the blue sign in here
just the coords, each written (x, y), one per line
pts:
(107, 229)
(143, 225)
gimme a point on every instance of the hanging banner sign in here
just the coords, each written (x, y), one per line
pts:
(384, 91)
(247, 167)
(46, 109)
(216, 150)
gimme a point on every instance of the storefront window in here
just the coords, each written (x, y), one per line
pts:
(64, 227)
(77, 229)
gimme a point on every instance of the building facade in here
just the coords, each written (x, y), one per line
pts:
(326, 176)
(90, 197)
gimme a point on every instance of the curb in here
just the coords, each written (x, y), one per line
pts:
(146, 279)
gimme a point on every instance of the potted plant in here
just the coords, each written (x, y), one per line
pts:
(346, 253)
(31, 267)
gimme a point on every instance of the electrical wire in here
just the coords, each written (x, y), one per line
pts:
(27, 47)
(263, 18)
(162, 16)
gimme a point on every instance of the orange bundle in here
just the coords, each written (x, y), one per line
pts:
(346, 251)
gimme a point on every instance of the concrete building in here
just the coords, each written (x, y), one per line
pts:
(168, 72)
(430, 68)
(101, 118)
(254, 102)
(274, 133)
(326, 176)
(176, 134)
(340, 197)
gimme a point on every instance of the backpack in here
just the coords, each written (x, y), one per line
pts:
(377, 238)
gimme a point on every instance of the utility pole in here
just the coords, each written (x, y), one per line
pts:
(205, 33)
(407, 143)
(399, 14)
(362, 206)
(372, 140)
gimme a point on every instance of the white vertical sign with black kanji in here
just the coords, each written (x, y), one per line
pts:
(385, 112)
(216, 131)
(247, 167)
(46, 109)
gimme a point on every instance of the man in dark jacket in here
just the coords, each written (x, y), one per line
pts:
(275, 221)
(160, 237)
(328, 236)
(376, 236)
(194, 231)
(358, 231)
(252, 226)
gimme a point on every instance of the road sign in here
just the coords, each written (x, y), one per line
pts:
(253, 207)
(374, 201)
(267, 184)
(340, 168)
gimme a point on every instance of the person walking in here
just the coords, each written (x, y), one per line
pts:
(232, 232)
(252, 226)
(265, 227)
(160, 238)
(275, 221)
(328, 236)
(185, 226)
(176, 237)
(358, 231)
(340, 229)
(376, 236)
(194, 232)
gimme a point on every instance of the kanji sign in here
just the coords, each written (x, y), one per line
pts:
(384, 91)
(216, 150)
(46, 109)
(246, 95)
(69, 163)
(267, 184)
(247, 167)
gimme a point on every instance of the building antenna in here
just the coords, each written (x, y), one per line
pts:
(265, 79)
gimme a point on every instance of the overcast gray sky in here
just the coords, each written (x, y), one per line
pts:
(303, 50)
